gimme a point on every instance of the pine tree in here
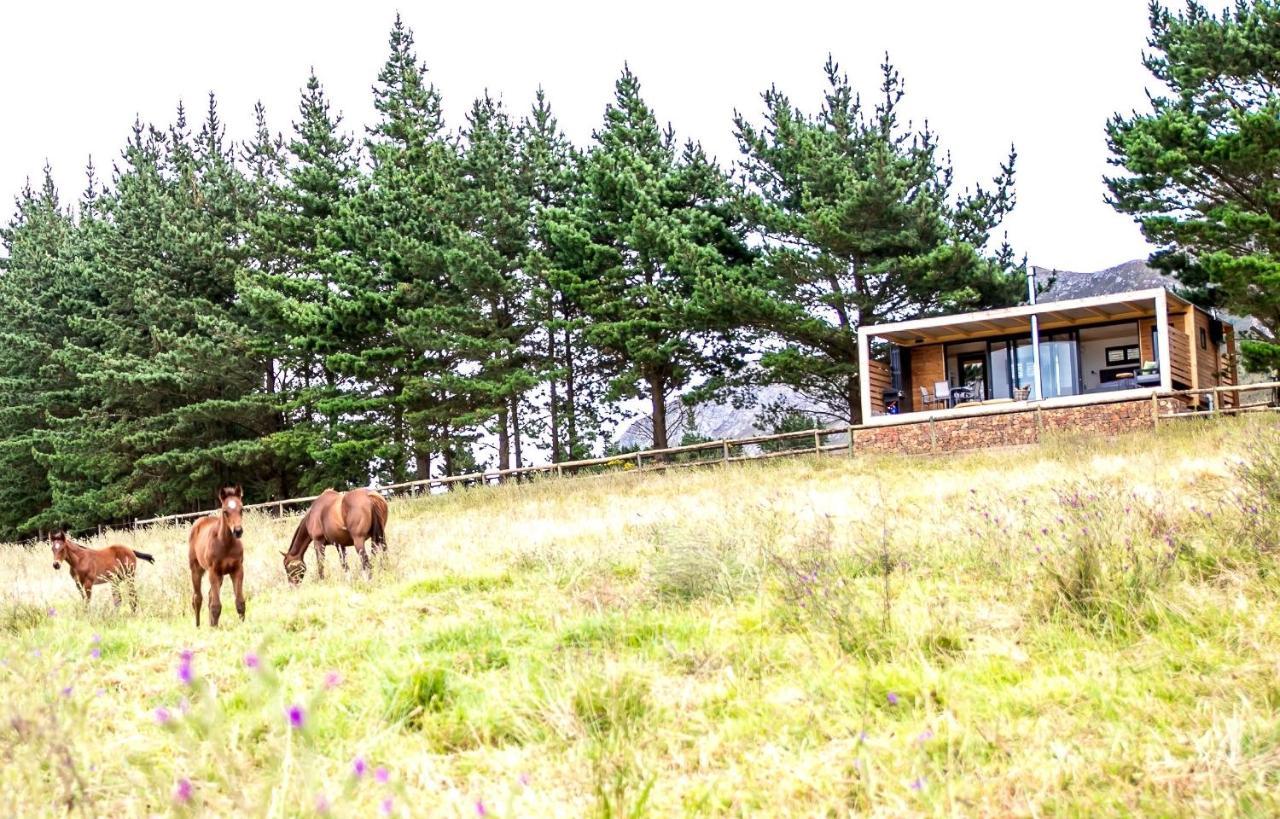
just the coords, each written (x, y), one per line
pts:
(39, 302)
(859, 225)
(304, 185)
(1202, 170)
(396, 299)
(551, 178)
(487, 267)
(656, 246)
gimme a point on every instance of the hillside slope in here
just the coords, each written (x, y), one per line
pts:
(1088, 627)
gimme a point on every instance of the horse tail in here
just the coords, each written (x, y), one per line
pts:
(378, 520)
(144, 556)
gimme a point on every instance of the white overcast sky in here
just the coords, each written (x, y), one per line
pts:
(1042, 75)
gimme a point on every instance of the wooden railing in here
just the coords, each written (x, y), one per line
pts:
(815, 441)
(723, 451)
(1179, 356)
(1232, 404)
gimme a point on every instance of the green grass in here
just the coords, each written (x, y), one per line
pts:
(834, 636)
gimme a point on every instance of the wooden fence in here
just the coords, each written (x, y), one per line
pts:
(701, 454)
(816, 441)
(1216, 407)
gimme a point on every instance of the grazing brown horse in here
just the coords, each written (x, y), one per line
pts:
(215, 547)
(90, 567)
(343, 519)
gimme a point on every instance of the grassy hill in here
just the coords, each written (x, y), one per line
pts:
(1083, 628)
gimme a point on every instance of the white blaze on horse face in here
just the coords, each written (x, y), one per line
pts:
(231, 505)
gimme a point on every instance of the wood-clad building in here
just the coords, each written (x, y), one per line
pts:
(1088, 349)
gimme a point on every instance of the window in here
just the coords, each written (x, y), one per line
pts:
(1125, 354)
(1204, 339)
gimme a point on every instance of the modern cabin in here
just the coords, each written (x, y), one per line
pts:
(1094, 349)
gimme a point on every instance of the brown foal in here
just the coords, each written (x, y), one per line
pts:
(90, 567)
(215, 547)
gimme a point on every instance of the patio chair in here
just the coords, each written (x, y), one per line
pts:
(1021, 393)
(942, 393)
(927, 400)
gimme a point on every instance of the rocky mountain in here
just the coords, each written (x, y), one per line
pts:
(714, 421)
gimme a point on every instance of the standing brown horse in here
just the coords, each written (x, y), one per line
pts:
(343, 519)
(90, 567)
(215, 547)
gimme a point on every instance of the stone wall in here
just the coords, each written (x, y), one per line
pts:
(1021, 425)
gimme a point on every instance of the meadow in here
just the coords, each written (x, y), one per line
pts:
(1087, 627)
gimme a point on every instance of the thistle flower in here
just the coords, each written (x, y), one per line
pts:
(918, 784)
(95, 653)
(893, 698)
(481, 810)
(524, 779)
(386, 807)
(322, 804)
(358, 767)
(66, 692)
(332, 680)
(382, 775)
(162, 715)
(182, 790)
(251, 661)
(297, 716)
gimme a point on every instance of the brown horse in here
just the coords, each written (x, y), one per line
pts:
(343, 519)
(215, 547)
(90, 567)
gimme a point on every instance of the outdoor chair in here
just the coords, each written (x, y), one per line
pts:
(1021, 393)
(927, 400)
(942, 393)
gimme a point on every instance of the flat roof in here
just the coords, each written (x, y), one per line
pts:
(1135, 304)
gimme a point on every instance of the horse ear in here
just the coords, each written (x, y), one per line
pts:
(284, 554)
(239, 493)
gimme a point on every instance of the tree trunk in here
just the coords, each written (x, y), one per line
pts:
(504, 439)
(570, 398)
(515, 431)
(852, 397)
(555, 400)
(658, 399)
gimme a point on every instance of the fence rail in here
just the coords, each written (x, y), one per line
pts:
(813, 441)
(1216, 408)
(724, 451)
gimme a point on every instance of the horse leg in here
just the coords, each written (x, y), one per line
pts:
(364, 557)
(197, 575)
(115, 593)
(86, 591)
(215, 597)
(237, 583)
(342, 555)
(319, 559)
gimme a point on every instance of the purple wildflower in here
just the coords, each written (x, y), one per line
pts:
(524, 779)
(185, 674)
(386, 806)
(358, 766)
(925, 735)
(322, 804)
(95, 653)
(184, 705)
(251, 661)
(481, 810)
(862, 737)
(297, 717)
(918, 783)
(52, 612)
(893, 698)
(162, 715)
(382, 775)
(66, 692)
(182, 790)
(97, 638)
(332, 680)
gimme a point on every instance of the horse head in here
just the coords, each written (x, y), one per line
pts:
(231, 499)
(294, 568)
(58, 540)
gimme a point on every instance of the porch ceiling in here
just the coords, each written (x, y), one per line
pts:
(1016, 320)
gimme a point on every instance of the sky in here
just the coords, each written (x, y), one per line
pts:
(1043, 76)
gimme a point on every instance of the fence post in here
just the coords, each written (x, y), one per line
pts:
(817, 443)
(851, 440)
(725, 444)
(1155, 411)
(639, 463)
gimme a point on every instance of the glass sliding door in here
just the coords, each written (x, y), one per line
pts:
(1059, 370)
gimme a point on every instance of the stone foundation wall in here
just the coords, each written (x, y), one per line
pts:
(1023, 425)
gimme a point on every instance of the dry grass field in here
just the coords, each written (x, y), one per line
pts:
(1085, 628)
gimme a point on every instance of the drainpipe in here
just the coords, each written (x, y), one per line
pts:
(1037, 393)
